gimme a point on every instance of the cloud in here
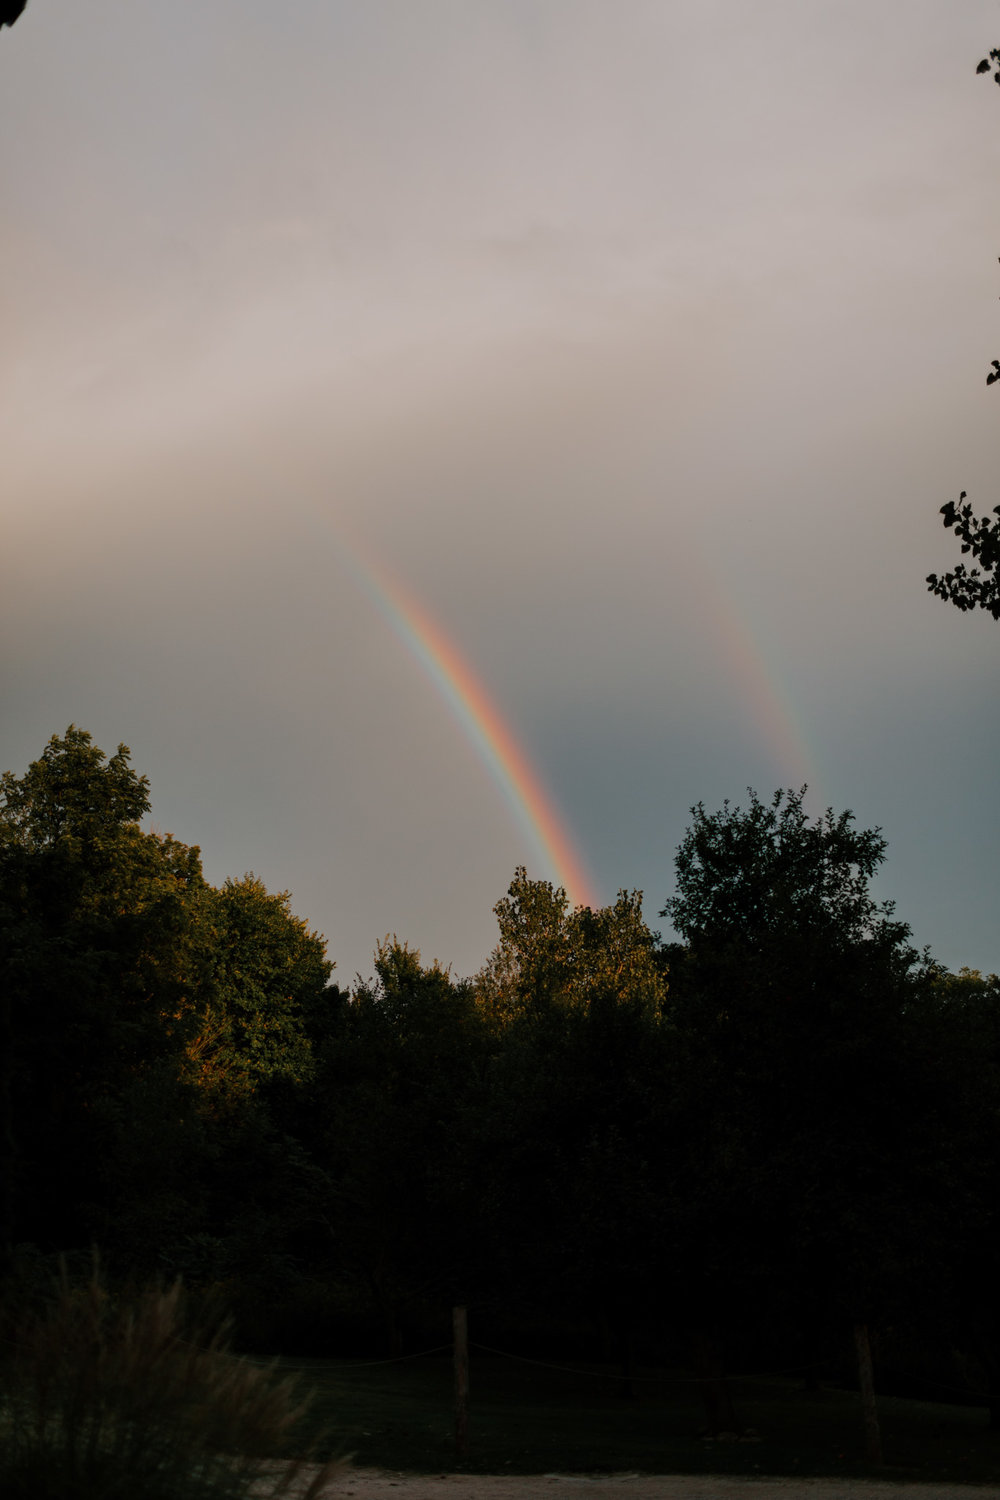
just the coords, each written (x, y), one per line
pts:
(644, 350)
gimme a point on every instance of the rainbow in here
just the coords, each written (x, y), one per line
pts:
(768, 705)
(481, 720)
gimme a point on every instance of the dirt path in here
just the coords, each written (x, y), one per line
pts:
(382, 1484)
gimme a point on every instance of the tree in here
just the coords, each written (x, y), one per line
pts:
(962, 1056)
(101, 956)
(251, 1038)
(397, 1097)
(551, 957)
(795, 998)
(766, 878)
(267, 987)
(157, 1036)
(576, 998)
(977, 587)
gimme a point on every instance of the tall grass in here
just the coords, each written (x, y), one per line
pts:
(104, 1397)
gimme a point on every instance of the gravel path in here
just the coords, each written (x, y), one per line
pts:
(382, 1484)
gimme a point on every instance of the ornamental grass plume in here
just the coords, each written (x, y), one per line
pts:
(114, 1399)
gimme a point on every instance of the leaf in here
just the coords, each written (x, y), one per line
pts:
(984, 66)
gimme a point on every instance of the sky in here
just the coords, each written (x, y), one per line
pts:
(443, 435)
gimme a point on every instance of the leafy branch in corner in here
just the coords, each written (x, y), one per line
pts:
(964, 587)
(984, 67)
(968, 587)
(986, 64)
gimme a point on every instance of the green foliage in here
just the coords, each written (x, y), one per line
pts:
(802, 1130)
(961, 1056)
(550, 957)
(72, 792)
(800, 1000)
(114, 910)
(575, 1000)
(268, 986)
(101, 1397)
(157, 1035)
(767, 876)
(398, 1096)
(101, 959)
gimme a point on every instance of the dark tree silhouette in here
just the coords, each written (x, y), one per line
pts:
(10, 10)
(969, 588)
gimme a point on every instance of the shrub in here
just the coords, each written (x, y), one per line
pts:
(104, 1397)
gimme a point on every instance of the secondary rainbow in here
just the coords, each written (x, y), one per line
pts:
(769, 705)
(482, 722)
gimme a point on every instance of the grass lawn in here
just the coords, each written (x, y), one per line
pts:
(530, 1419)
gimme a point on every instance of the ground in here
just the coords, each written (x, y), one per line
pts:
(383, 1484)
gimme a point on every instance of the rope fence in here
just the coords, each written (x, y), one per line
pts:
(349, 1364)
(623, 1375)
(609, 1373)
(305, 1367)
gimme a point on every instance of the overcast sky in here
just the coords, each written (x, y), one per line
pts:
(639, 340)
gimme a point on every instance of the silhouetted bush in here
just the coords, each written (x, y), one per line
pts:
(102, 1397)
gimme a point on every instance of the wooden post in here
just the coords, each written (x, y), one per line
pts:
(706, 1347)
(625, 1386)
(460, 1324)
(866, 1384)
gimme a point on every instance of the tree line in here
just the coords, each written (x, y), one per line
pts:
(747, 1146)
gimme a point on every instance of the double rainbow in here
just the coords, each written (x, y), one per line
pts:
(767, 704)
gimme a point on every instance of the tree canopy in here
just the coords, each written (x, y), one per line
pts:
(96, 961)
(799, 999)
(133, 995)
(743, 1141)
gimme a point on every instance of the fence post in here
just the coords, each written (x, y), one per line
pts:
(866, 1384)
(460, 1325)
